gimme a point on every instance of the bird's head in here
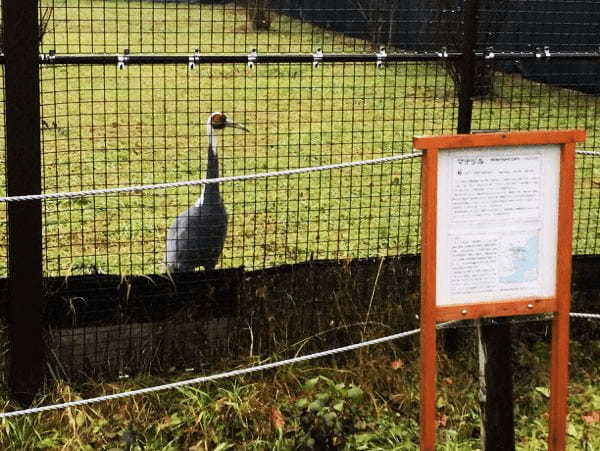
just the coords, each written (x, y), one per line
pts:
(218, 121)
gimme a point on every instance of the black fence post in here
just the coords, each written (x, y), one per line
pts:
(464, 70)
(498, 428)
(466, 67)
(23, 172)
(497, 410)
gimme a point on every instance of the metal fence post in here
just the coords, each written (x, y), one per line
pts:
(23, 172)
(497, 420)
(496, 401)
(466, 67)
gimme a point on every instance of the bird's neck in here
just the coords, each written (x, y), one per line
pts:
(212, 169)
(210, 192)
(212, 166)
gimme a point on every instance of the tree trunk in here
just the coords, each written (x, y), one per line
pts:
(259, 12)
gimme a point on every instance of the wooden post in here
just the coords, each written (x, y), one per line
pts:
(559, 354)
(23, 171)
(427, 417)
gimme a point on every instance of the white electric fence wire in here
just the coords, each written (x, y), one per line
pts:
(585, 315)
(240, 372)
(233, 178)
(588, 152)
(214, 377)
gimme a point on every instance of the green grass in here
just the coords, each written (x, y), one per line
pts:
(371, 402)
(105, 128)
(110, 26)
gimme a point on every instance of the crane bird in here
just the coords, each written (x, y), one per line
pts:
(197, 235)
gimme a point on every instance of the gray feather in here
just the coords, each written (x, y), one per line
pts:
(196, 237)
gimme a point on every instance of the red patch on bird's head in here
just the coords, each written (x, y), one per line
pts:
(218, 120)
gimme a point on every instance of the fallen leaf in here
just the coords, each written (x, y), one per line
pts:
(277, 418)
(591, 417)
(397, 364)
(220, 404)
(442, 421)
(544, 391)
(261, 292)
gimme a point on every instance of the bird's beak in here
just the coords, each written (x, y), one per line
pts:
(229, 123)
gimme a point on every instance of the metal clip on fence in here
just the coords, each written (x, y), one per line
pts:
(49, 58)
(317, 58)
(443, 53)
(123, 59)
(545, 52)
(252, 57)
(194, 59)
(489, 53)
(381, 56)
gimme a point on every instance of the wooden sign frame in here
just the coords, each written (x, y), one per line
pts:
(559, 304)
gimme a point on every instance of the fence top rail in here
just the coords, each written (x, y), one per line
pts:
(254, 56)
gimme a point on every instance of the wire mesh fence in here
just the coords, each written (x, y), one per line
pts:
(103, 128)
(127, 135)
(109, 121)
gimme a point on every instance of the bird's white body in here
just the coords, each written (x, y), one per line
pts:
(197, 236)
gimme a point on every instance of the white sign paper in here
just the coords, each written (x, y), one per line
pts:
(497, 219)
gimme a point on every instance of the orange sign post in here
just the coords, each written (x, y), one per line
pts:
(497, 223)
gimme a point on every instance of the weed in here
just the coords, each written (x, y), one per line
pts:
(327, 414)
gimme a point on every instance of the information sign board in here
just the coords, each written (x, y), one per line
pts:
(497, 219)
(497, 214)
